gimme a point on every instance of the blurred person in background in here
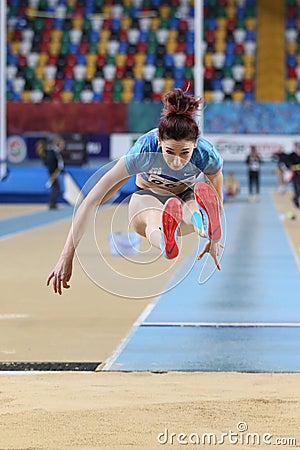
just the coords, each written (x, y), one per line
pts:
(253, 161)
(282, 171)
(232, 186)
(55, 164)
(293, 164)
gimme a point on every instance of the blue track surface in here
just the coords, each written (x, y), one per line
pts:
(25, 222)
(245, 318)
(211, 349)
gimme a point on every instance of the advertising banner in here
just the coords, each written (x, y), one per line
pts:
(16, 149)
(79, 147)
(97, 146)
(233, 147)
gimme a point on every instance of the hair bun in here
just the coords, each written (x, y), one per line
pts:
(178, 117)
(178, 103)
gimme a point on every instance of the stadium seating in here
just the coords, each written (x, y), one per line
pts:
(230, 49)
(292, 50)
(102, 50)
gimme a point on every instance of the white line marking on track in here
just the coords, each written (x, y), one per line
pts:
(140, 320)
(222, 324)
(13, 316)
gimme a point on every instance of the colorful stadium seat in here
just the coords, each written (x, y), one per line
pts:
(292, 49)
(72, 49)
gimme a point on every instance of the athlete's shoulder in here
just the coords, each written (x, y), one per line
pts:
(140, 156)
(207, 157)
(147, 142)
(204, 144)
(150, 140)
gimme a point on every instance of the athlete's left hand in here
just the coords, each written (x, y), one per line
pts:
(214, 249)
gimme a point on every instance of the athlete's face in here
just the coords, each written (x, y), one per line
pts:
(177, 153)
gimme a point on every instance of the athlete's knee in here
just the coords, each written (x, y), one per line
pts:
(150, 227)
(153, 235)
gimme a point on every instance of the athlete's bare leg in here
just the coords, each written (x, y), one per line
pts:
(192, 218)
(189, 208)
(145, 216)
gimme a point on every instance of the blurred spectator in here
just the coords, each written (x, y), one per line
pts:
(254, 161)
(294, 165)
(282, 171)
(55, 164)
(232, 185)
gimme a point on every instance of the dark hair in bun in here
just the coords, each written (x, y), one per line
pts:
(178, 117)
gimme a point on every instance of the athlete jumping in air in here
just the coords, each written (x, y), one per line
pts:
(167, 162)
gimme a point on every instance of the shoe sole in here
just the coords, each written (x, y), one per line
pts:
(170, 220)
(208, 204)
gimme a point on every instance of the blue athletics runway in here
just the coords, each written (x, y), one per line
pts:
(245, 318)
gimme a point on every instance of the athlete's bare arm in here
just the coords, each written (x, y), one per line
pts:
(102, 191)
(217, 181)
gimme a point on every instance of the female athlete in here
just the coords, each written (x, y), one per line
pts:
(167, 162)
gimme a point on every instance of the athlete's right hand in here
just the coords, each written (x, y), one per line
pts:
(61, 275)
(214, 249)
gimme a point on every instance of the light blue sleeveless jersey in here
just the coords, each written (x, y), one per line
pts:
(145, 158)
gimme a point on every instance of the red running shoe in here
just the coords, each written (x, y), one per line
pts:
(208, 204)
(170, 220)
